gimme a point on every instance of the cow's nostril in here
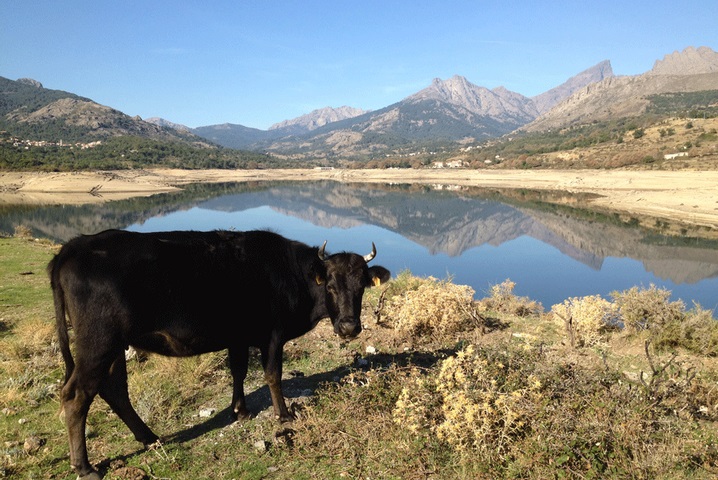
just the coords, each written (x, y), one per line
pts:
(348, 328)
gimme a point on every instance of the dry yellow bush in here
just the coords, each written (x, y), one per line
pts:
(22, 231)
(587, 319)
(502, 299)
(412, 409)
(433, 307)
(479, 403)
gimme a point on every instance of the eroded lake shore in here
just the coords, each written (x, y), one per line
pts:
(685, 197)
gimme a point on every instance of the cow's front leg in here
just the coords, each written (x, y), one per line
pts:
(238, 360)
(272, 363)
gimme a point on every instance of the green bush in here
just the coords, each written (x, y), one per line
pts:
(651, 308)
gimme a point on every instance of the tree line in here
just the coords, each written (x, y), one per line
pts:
(132, 152)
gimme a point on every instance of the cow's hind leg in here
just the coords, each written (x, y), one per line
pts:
(113, 389)
(77, 396)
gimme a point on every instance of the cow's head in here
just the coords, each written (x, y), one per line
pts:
(347, 275)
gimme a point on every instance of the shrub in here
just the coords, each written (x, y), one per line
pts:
(412, 409)
(480, 401)
(696, 331)
(667, 323)
(503, 300)
(22, 231)
(433, 308)
(515, 413)
(650, 308)
(587, 319)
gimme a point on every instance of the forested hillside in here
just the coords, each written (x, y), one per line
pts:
(126, 152)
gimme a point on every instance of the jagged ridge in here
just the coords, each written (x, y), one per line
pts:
(692, 70)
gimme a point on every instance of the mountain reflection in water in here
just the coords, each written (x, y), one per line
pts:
(477, 237)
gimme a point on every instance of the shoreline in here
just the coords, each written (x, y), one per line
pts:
(687, 197)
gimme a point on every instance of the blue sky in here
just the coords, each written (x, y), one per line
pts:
(259, 62)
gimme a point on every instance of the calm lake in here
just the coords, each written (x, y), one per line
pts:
(476, 237)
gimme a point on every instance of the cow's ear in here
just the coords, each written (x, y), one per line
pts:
(318, 273)
(378, 275)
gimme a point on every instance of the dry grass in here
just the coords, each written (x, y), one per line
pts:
(514, 406)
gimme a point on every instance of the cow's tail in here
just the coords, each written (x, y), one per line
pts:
(58, 295)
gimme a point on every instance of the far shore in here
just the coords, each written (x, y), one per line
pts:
(687, 197)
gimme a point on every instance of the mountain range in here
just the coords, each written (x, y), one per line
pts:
(444, 115)
(692, 70)
(30, 111)
(445, 112)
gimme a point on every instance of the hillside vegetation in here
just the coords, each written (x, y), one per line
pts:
(126, 152)
(438, 386)
(685, 124)
(675, 123)
(645, 142)
(30, 112)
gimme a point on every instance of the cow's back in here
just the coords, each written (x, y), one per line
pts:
(199, 290)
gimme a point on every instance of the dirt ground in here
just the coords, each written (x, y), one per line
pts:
(685, 196)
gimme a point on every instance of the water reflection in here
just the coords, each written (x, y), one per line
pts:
(550, 247)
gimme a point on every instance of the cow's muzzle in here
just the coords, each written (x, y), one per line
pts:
(347, 328)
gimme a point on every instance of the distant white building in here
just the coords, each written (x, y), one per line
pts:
(452, 164)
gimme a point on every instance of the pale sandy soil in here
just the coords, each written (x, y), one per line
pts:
(688, 197)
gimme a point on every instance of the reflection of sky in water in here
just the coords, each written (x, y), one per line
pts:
(539, 270)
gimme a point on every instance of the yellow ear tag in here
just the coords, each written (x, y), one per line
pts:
(377, 281)
(319, 280)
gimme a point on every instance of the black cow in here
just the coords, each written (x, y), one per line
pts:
(187, 293)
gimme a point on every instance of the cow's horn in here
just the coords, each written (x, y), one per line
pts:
(369, 256)
(321, 251)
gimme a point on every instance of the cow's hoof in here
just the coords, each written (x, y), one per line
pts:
(156, 445)
(285, 437)
(90, 476)
(241, 415)
(289, 418)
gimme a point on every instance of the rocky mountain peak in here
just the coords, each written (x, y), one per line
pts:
(547, 100)
(30, 81)
(161, 122)
(500, 103)
(457, 90)
(319, 118)
(693, 70)
(690, 61)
